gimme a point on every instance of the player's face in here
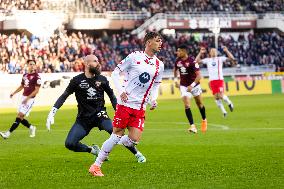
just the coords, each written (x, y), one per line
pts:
(180, 53)
(155, 44)
(31, 66)
(213, 52)
(94, 65)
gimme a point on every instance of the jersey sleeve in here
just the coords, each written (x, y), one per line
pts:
(110, 93)
(204, 61)
(126, 63)
(160, 75)
(223, 59)
(38, 80)
(68, 91)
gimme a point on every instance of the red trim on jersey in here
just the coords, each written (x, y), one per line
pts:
(218, 68)
(147, 91)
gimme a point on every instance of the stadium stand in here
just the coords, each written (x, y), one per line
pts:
(100, 6)
(20, 5)
(64, 54)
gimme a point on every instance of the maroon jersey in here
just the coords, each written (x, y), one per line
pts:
(30, 81)
(187, 69)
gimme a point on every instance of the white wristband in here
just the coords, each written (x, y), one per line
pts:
(193, 84)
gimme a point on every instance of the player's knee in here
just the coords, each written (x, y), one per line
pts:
(126, 141)
(70, 145)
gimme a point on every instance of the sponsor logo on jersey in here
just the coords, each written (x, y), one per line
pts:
(144, 77)
(91, 92)
(98, 83)
(213, 63)
(84, 85)
(183, 70)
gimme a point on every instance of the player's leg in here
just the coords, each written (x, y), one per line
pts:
(22, 111)
(217, 90)
(186, 101)
(75, 135)
(120, 122)
(199, 103)
(107, 126)
(228, 102)
(13, 127)
(218, 100)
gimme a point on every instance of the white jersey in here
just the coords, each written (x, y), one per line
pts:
(215, 67)
(141, 73)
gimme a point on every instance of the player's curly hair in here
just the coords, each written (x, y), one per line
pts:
(150, 35)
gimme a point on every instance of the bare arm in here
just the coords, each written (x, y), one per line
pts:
(198, 57)
(16, 91)
(197, 79)
(230, 55)
(175, 77)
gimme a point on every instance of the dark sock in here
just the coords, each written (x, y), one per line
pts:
(189, 115)
(26, 123)
(202, 112)
(132, 149)
(15, 124)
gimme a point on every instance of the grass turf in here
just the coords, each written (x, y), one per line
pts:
(244, 150)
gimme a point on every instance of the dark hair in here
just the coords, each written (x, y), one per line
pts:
(183, 46)
(150, 35)
(31, 60)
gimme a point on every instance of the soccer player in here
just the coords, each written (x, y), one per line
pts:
(89, 88)
(189, 85)
(143, 75)
(216, 78)
(31, 83)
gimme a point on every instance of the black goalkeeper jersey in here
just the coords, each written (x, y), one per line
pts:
(89, 94)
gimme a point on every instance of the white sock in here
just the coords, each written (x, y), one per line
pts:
(106, 149)
(7, 133)
(126, 141)
(226, 99)
(221, 106)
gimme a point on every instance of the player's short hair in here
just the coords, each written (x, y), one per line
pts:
(150, 35)
(184, 47)
(31, 60)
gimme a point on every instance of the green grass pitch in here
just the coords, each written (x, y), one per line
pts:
(244, 150)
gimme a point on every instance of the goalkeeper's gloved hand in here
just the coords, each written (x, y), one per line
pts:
(50, 118)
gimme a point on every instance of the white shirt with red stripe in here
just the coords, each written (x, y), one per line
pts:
(142, 76)
(215, 67)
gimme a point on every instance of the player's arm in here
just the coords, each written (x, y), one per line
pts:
(122, 66)
(198, 57)
(60, 101)
(155, 89)
(17, 90)
(197, 79)
(230, 55)
(110, 94)
(176, 76)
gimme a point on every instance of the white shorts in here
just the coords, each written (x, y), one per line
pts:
(196, 91)
(26, 108)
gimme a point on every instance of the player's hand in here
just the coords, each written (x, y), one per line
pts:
(49, 122)
(189, 88)
(154, 105)
(50, 118)
(124, 97)
(177, 85)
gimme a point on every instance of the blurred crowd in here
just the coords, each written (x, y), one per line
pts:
(64, 52)
(20, 5)
(155, 6)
